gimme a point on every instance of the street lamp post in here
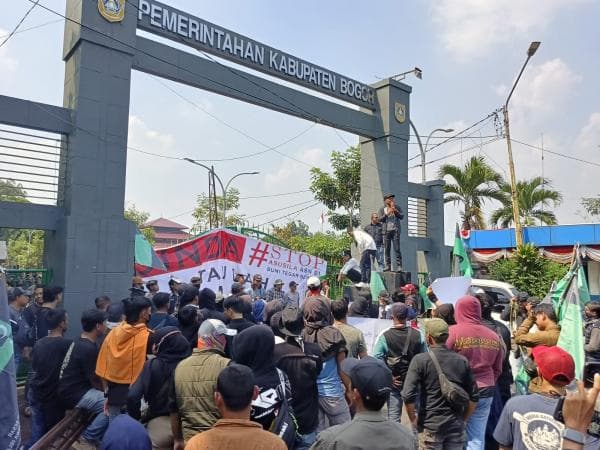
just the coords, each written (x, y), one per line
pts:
(511, 165)
(223, 188)
(423, 150)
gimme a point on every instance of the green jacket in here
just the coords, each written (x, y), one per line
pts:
(195, 384)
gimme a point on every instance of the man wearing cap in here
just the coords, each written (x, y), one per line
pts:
(370, 386)
(302, 363)
(438, 425)
(350, 269)
(196, 281)
(292, 296)
(390, 216)
(367, 249)
(397, 347)
(276, 292)
(152, 286)
(375, 229)
(527, 421)
(191, 400)
(258, 290)
(384, 305)
(17, 301)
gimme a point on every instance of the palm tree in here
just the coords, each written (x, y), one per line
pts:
(535, 203)
(473, 185)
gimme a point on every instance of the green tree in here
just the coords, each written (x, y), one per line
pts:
(328, 246)
(472, 185)
(294, 228)
(140, 218)
(25, 247)
(341, 189)
(536, 201)
(528, 271)
(591, 205)
(204, 205)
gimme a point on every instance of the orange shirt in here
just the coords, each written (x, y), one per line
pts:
(236, 434)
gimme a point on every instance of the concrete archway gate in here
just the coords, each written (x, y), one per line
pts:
(90, 245)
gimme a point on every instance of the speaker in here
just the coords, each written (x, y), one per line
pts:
(394, 280)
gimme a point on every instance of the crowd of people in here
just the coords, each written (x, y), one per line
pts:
(276, 369)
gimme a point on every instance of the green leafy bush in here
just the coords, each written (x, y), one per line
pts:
(528, 271)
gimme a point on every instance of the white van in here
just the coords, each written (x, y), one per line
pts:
(503, 292)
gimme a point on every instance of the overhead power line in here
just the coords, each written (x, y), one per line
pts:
(14, 30)
(35, 27)
(545, 150)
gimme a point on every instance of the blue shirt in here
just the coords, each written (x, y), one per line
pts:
(159, 320)
(329, 383)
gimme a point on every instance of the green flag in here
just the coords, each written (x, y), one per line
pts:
(461, 266)
(377, 286)
(426, 302)
(569, 298)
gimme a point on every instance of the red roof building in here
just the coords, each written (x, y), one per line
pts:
(167, 232)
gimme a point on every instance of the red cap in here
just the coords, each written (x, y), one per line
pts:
(409, 288)
(554, 364)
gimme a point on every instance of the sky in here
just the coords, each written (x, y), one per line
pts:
(470, 52)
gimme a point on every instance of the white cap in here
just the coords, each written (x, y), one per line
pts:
(313, 282)
(211, 327)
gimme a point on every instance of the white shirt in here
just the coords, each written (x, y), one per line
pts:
(364, 241)
(350, 264)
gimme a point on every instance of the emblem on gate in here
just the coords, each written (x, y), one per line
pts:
(400, 112)
(112, 10)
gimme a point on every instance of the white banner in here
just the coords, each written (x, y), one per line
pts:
(221, 254)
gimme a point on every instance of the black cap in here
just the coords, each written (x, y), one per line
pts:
(389, 195)
(14, 293)
(292, 321)
(522, 297)
(370, 376)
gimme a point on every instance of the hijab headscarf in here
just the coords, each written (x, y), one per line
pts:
(254, 348)
(359, 308)
(318, 329)
(189, 323)
(125, 433)
(446, 312)
(170, 346)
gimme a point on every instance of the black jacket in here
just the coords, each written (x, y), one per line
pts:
(376, 232)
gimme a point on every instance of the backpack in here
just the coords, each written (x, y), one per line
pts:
(455, 395)
(284, 425)
(399, 364)
(26, 332)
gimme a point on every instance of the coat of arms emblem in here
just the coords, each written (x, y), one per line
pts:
(112, 10)
(400, 112)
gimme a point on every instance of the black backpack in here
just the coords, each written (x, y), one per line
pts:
(399, 364)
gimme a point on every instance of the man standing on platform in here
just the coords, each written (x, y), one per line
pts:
(366, 247)
(375, 229)
(390, 216)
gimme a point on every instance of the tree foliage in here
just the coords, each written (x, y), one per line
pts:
(340, 189)
(591, 205)
(203, 207)
(328, 246)
(528, 271)
(294, 228)
(25, 248)
(140, 218)
(472, 186)
(536, 202)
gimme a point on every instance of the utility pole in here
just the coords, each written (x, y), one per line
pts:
(511, 165)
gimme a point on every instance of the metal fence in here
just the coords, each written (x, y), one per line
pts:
(29, 161)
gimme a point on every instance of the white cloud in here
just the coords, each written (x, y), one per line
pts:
(140, 134)
(470, 28)
(8, 64)
(545, 88)
(291, 172)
